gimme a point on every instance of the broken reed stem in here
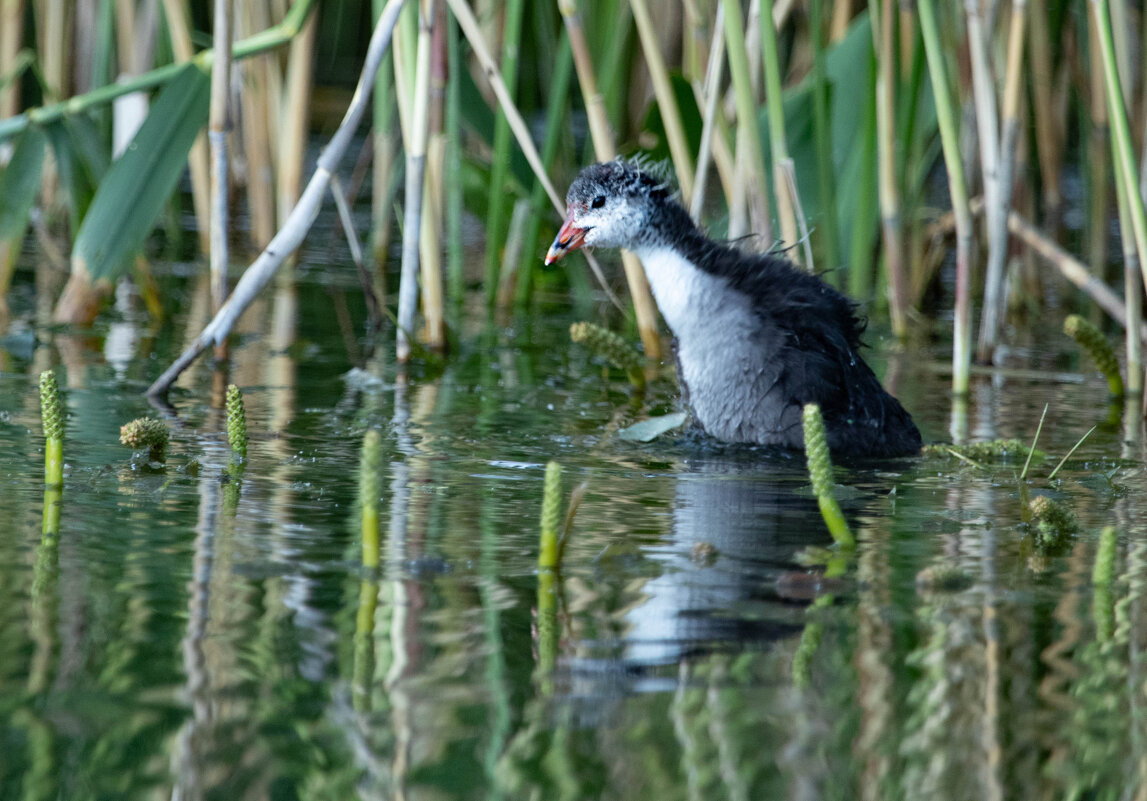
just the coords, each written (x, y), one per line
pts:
(820, 472)
(52, 421)
(295, 228)
(948, 119)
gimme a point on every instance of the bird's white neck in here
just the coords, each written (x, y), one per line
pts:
(691, 300)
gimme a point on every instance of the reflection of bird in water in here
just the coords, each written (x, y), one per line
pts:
(757, 338)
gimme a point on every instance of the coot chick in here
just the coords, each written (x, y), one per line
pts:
(757, 337)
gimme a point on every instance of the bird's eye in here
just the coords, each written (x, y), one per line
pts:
(598, 202)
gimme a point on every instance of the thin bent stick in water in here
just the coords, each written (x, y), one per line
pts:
(302, 216)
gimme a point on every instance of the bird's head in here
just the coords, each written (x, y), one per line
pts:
(608, 205)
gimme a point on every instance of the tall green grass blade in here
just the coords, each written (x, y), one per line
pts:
(496, 220)
(132, 195)
(455, 278)
(81, 153)
(558, 94)
(826, 223)
(20, 182)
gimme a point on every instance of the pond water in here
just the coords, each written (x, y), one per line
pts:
(189, 636)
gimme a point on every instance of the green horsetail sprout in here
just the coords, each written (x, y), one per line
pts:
(146, 432)
(551, 517)
(612, 347)
(1105, 557)
(370, 488)
(1098, 348)
(236, 422)
(52, 419)
(1053, 521)
(820, 471)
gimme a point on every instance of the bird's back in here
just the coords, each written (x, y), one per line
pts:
(804, 348)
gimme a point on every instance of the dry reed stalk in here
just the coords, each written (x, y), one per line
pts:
(841, 19)
(53, 46)
(295, 116)
(294, 229)
(1071, 268)
(750, 177)
(415, 148)
(255, 99)
(604, 148)
(883, 27)
(433, 298)
(715, 135)
(1098, 145)
(198, 159)
(218, 126)
(11, 36)
(1047, 137)
(707, 95)
(987, 122)
(666, 100)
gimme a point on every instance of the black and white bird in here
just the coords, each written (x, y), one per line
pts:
(757, 337)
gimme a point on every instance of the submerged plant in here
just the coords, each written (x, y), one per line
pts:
(52, 419)
(1098, 348)
(146, 432)
(820, 471)
(995, 450)
(1054, 523)
(612, 347)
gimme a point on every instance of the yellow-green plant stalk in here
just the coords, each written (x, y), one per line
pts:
(52, 419)
(548, 558)
(236, 422)
(1098, 348)
(146, 432)
(612, 347)
(820, 471)
(370, 488)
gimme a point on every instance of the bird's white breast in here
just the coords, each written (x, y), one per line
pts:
(714, 324)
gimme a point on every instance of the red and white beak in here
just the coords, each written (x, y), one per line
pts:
(570, 237)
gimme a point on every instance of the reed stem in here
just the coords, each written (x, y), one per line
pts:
(946, 113)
